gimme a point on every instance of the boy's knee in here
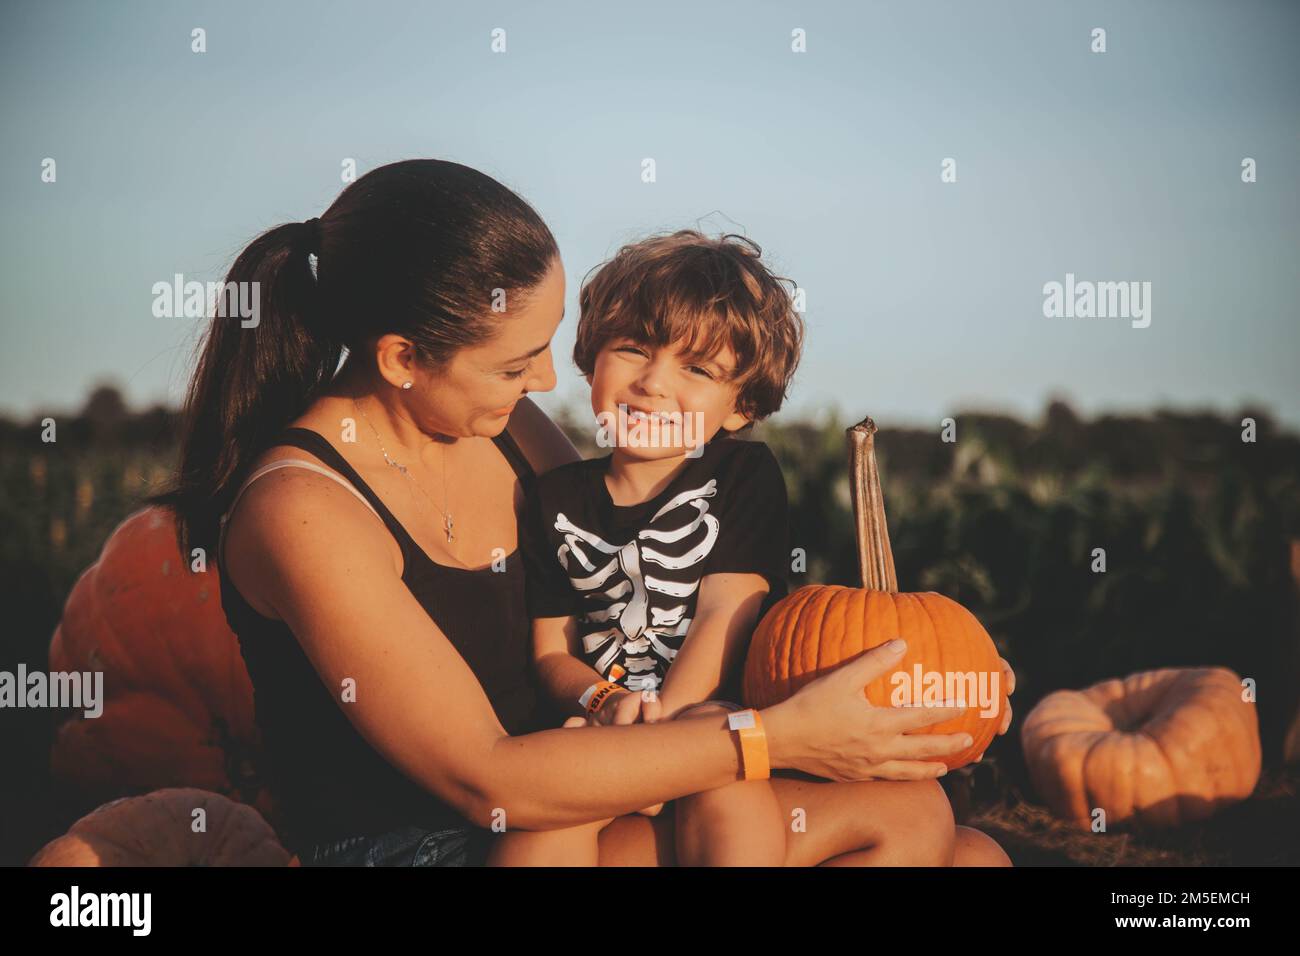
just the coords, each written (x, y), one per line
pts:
(721, 805)
(936, 829)
(707, 805)
(918, 826)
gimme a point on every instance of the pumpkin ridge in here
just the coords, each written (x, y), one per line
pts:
(136, 682)
(920, 645)
(1194, 752)
(779, 655)
(1247, 721)
(1172, 768)
(934, 641)
(888, 611)
(227, 835)
(805, 616)
(805, 607)
(850, 637)
(119, 656)
(934, 629)
(1092, 798)
(826, 609)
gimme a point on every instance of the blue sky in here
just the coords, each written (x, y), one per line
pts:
(922, 297)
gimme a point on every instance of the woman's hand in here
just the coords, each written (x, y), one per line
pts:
(831, 730)
(1009, 682)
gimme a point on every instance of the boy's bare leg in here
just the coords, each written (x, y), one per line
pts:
(736, 825)
(572, 846)
(872, 823)
(875, 823)
(977, 848)
(740, 824)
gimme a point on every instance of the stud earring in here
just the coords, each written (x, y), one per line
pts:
(406, 384)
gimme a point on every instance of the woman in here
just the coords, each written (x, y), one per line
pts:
(371, 570)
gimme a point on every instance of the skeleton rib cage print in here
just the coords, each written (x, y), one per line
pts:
(641, 593)
(633, 573)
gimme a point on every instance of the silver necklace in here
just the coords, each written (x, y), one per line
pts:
(446, 515)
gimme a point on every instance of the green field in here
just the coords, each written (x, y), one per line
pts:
(1197, 527)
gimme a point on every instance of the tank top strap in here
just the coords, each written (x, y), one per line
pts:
(318, 445)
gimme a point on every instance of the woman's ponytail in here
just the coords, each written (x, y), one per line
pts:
(259, 367)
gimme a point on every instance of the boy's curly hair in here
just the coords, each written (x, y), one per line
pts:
(705, 292)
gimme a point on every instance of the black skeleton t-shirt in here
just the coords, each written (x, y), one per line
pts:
(632, 574)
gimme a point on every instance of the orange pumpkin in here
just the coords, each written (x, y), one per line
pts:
(1156, 749)
(178, 707)
(818, 627)
(157, 829)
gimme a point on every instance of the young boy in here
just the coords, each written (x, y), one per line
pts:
(648, 568)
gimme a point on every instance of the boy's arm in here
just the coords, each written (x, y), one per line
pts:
(725, 615)
(549, 598)
(747, 560)
(562, 673)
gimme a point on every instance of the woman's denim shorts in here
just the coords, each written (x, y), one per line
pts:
(408, 846)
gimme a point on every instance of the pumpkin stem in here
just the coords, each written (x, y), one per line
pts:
(875, 557)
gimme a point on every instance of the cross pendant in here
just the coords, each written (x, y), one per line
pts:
(447, 525)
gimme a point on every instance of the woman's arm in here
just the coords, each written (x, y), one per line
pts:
(418, 703)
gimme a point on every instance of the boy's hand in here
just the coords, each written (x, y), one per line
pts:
(652, 706)
(623, 708)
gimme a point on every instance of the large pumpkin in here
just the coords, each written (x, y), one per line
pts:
(158, 829)
(1156, 749)
(178, 708)
(818, 627)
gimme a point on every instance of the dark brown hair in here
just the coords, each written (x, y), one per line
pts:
(413, 248)
(705, 292)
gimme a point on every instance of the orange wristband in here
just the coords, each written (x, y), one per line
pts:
(594, 697)
(753, 743)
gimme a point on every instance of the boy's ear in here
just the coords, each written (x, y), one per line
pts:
(588, 378)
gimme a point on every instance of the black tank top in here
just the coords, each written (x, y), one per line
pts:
(328, 782)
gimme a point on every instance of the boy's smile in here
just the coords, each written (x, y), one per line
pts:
(633, 382)
(636, 384)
